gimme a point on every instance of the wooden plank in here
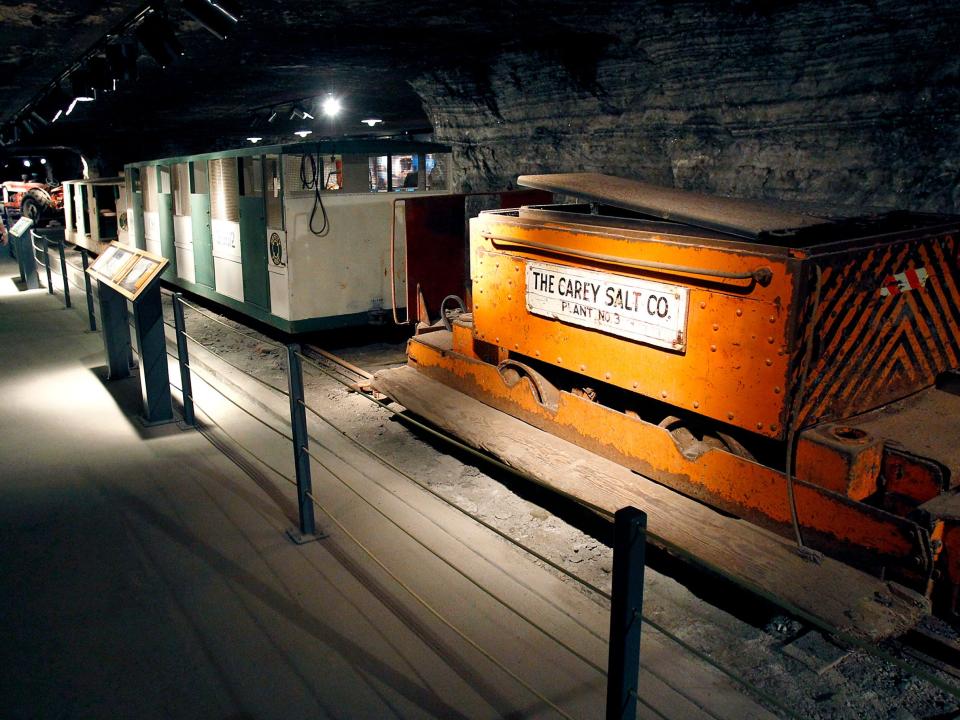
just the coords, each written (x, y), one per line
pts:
(846, 599)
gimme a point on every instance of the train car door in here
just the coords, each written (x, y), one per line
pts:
(135, 209)
(200, 220)
(253, 228)
(165, 221)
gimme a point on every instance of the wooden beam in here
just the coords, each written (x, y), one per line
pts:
(847, 599)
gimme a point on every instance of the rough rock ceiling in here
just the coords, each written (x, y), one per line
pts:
(365, 51)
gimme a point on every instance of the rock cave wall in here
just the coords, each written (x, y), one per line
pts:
(834, 105)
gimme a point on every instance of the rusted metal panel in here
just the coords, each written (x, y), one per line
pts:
(744, 218)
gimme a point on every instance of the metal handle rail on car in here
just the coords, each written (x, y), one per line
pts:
(761, 275)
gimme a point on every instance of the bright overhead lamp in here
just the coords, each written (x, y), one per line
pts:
(331, 106)
(217, 21)
(272, 116)
(43, 161)
(302, 133)
(26, 163)
(372, 122)
(254, 140)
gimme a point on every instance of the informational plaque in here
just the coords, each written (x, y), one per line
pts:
(21, 226)
(127, 270)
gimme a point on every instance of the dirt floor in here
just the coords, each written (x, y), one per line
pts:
(751, 639)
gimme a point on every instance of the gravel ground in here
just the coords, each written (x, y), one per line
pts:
(784, 658)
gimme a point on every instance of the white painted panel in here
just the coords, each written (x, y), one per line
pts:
(228, 277)
(279, 296)
(226, 239)
(151, 232)
(185, 265)
(132, 238)
(183, 230)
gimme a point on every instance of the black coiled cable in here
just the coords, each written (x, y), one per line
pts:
(313, 181)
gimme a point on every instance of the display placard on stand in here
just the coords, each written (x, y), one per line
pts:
(124, 274)
(21, 226)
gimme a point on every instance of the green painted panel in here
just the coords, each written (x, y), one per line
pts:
(253, 251)
(136, 222)
(167, 248)
(202, 239)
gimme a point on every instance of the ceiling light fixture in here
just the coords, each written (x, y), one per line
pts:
(372, 122)
(273, 115)
(229, 8)
(254, 140)
(302, 133)
(298, 113)
(75, 101)
(213, 18)
(331, 106)
(43, 161)
(26, 163)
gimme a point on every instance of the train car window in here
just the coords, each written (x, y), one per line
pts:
(378, 173)
(333, 173)
(293, 186)
(251, 176)
(150, 188)
(224, 189)
(180, 182)
(404, 172)
(135, 180)
(437, 169)
(272, 197)
(198, 178)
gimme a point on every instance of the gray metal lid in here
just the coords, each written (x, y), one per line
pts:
(744, 218)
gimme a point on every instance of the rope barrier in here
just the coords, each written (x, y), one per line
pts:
(460, 445)
(239, 406)
(426, 605)
(446, 562)
(234, 366)
(673, 548)
(210, 316)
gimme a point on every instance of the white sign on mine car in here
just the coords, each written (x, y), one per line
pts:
(651, 312)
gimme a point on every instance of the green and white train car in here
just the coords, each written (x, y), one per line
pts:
(303, 237)
(94, 212)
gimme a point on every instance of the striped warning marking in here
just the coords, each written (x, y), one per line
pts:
(901, 282)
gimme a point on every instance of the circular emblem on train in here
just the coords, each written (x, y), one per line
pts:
(276, 250)
(122, 220)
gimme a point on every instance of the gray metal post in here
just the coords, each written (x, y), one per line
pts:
(623, 666)
(116, 331)
(88, 289)
(46, 262)
(27, 260)
(63, 273)
(152, 344)
(298, 426)
(183, 358)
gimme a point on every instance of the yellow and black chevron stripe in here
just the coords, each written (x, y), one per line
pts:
(889, 323)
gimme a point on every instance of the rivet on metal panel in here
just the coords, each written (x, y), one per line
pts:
(713, 348)
(509, 296)
(516, 268)
(583, 368)
(696, 404)
(715, 327)
(635, 384)
(739, 312)
(759, 426)
(730, 416)
(497, 340)
(537, 353)
(559, 360)
(771, 340)
(773, 319)
(606, 376)
(769, 361)
(476, 305)
(663, 393)
(773, 427)
(776, 390)
(703, 304)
